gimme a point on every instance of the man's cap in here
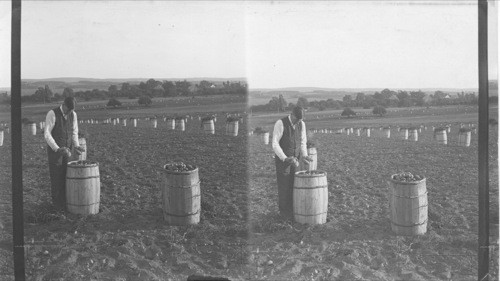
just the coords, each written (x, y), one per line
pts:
(298, 112)
(70, 102)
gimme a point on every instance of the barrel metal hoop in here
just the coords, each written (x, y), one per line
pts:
(314, 187)
(186, 186)
(83, 178)
(180, 216)
(409, 197)
(312, 215)
(415, 224)
(82, 205)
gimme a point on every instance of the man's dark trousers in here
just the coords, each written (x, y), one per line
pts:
(57, 169)
(285, 173)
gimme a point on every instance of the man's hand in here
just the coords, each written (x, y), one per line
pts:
(79, 149)
(290, 159)
(308, 158)
(64, 151)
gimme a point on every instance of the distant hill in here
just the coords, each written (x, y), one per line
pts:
(263, 95)
(364, 90)
(57, 85)
(122, 80)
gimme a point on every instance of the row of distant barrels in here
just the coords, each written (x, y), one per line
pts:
(179, 124)
(440, 134)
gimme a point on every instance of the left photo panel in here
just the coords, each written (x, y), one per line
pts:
(134, 141)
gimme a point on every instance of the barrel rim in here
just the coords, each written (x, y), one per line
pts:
(179, 173)
(75, 164)
(407, 183)
(302, 174)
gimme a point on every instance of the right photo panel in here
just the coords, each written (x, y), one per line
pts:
(363, 140)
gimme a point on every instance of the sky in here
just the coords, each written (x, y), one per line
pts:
(335, 44)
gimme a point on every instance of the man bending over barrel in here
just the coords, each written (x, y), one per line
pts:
(61, 134)
(289, 145)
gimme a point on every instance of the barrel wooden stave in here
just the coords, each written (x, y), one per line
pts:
(32, 129)
(310, 198)
(409, 207)
(441, 137)
(83, 156)
(83, 189)
(181, 198)
(413, 134)
(265, 138)
(464, 139)
(208, 127)
(313, 165)
(170, 124)
(232, 128)
(180, 125)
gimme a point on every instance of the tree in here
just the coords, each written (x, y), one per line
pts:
(169, 88)
(360, 98)
(182, 87)
(347, 99)
(113, 102)
(48, 93)
(302, 101)
(417, 98)
(68, 92)
(379, 110)
(348, 112)
(282, 103)
(125, 90)
(145, 100)
(113, 91)
(404, 99)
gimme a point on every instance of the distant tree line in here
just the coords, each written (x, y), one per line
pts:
(151, 88)
(385, 98)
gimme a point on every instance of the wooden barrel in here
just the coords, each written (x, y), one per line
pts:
(170, 124)
(154, 123)
(313, 165)
(358, 132)
(41, 125)
(464, 138)
(83, 155)
(208, 127)
(408, 205)
(310, 197)
(181, 197)
(1, 137)
(124, 122)
(265, 138)
(403, 133)
(367, 132)
(232, 128)
(83, 187)
(440, 136)
(413, 134)
(348, 131)
(32, 129)
(180, 125)
(134, 122)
